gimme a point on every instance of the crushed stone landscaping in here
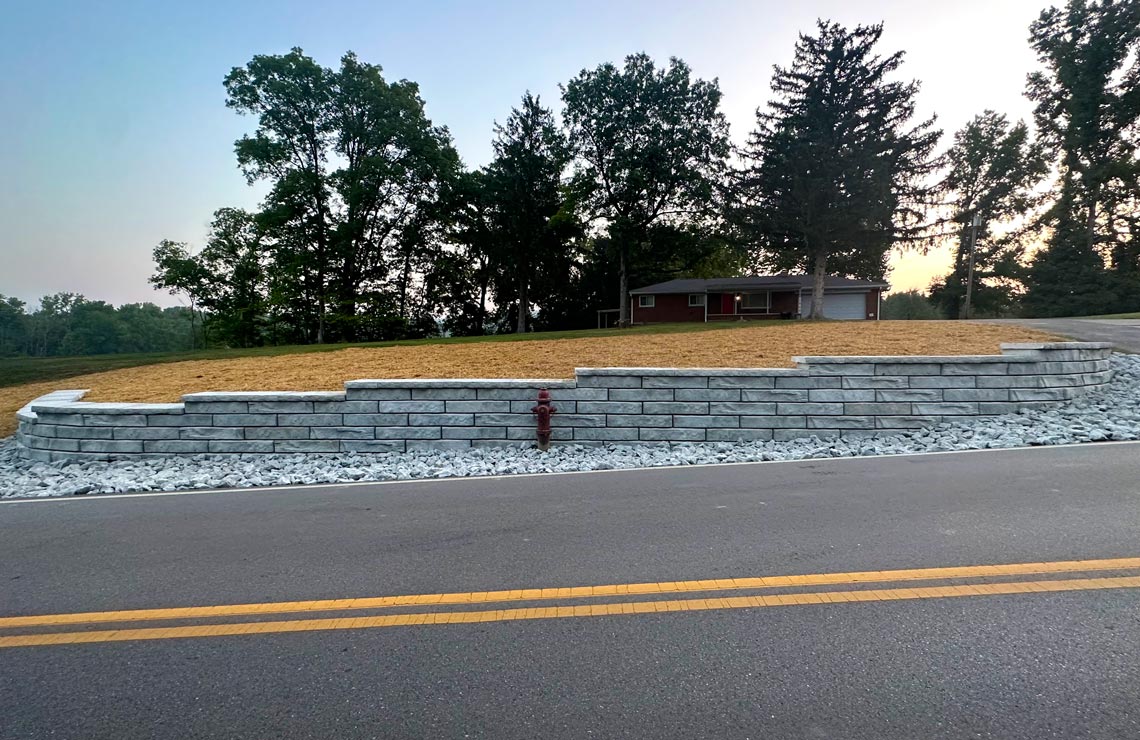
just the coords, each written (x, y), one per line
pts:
(1111, 413)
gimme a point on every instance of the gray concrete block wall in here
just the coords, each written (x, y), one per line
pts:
(822, 396)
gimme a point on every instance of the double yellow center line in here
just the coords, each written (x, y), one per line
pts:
(981, 577)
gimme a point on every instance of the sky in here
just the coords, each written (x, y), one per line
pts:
(114, 133)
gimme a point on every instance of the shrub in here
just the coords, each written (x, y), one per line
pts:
(911, 305)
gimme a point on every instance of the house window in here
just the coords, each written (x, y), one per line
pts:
(756, 301)
(646, 301)
(696, 299)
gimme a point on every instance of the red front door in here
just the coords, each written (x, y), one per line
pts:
(727, 303)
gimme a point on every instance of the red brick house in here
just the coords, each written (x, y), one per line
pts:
(762, 297)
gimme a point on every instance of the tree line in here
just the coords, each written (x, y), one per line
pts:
(373, 228)
(69, 324)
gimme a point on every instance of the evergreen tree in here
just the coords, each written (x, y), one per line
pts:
(1087, 98)
(838, 172)
(530, 231)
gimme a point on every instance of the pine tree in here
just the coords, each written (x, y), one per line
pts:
(838, 170)
(530, 232)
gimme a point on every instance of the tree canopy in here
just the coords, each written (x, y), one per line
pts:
(838, 169)
(650, 147)
(372, 228)
(357, 176)
(531, 224)
(993, 170)
(69, 324)
(1087, 111)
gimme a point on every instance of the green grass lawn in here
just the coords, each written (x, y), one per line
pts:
(1133, 315)
(20, 370)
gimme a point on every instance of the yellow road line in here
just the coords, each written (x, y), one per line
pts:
(564, 611)
(577, 592)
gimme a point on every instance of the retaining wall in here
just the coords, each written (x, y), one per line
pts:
(822, 396)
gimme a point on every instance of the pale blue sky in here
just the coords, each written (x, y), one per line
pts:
(114, 133)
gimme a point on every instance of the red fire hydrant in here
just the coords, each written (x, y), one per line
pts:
(542, 412)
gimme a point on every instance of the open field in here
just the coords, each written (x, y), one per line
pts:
(768, 345)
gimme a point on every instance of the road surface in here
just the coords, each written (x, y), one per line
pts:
(1124, 333)
(688, 634)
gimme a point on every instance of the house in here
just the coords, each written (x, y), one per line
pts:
(763, 297)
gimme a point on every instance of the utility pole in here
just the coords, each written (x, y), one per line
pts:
(970, 276)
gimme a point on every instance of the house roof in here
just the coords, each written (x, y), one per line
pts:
(759, 282)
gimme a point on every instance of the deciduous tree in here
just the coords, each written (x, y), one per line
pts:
(993, 170)
(356, 170)
(651, 146)
(1087, 110)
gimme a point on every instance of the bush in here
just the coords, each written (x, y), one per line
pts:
(911, 305)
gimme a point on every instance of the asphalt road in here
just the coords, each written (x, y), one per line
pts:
(1032, 665)
(1124, 333)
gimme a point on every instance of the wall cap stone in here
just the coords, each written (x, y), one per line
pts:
(238, 396)
(88, 407)
(26, 414)
(912, 359)
(674, 372)
(461, 383)
(1056, 345)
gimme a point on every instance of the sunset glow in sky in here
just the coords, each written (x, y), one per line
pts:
(114, 133)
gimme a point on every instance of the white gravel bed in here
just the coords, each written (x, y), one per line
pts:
(1112, 413)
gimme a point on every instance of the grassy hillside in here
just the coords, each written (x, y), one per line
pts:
(22, 370)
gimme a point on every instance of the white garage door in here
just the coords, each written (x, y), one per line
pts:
(840, 306)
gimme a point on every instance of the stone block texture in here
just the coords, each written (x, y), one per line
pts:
(822, 396)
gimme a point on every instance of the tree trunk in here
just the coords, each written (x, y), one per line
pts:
(1092, 223)
(818, 285)
(405, 279)
(193, 336)
(482, 315)
(321, 315)
(523, 304)
(348, 295)
(623, 288)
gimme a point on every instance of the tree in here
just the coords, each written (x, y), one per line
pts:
(650, 146)
(177, 272)
(993, 170)
(1087, 109)
(49, 325)
(93, 329)
(473, 241)
(837, 172)
(234, 282)
(13, 327)
(910, 305)
(355, 170)
(145, 327)
(524, 183)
